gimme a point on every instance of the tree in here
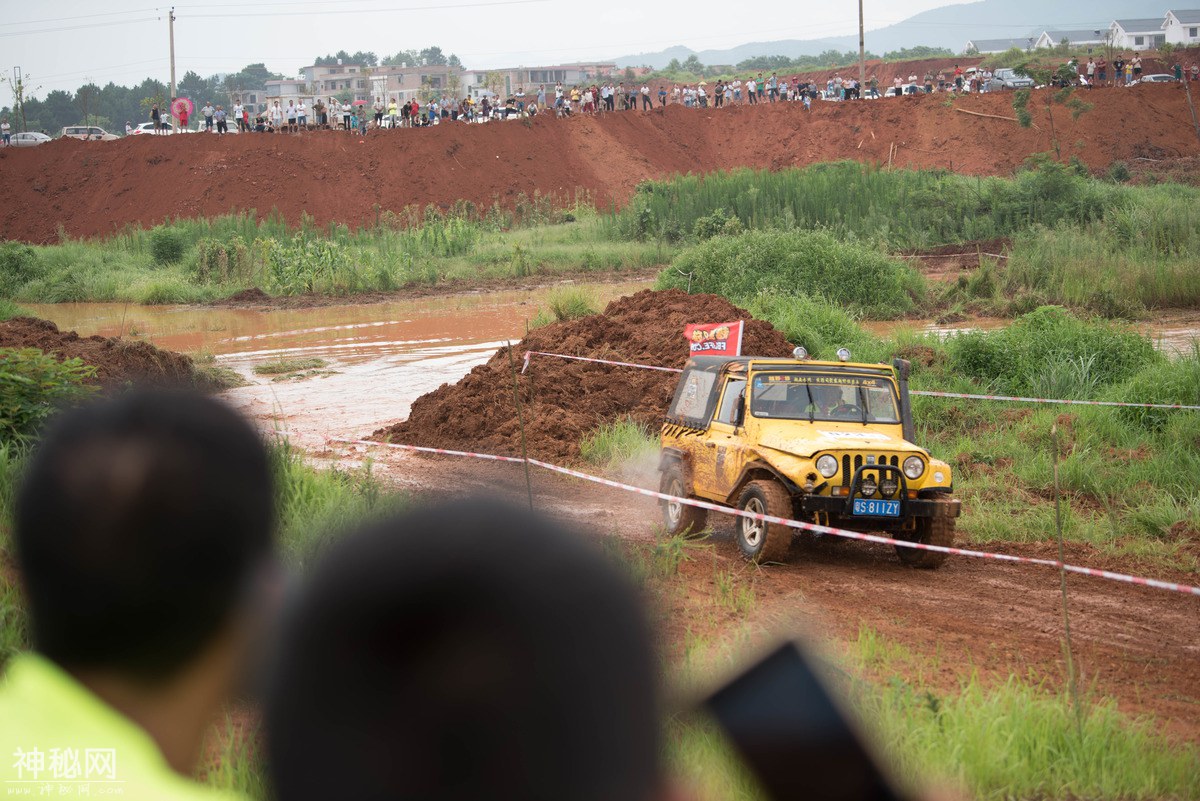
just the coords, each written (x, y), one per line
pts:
(692, 64)
(432, 57)
(20, 89)
(402, 57)
(454, 62)
(366, 58)
(194, 87)
(57, 110)
(85, 101)
(494, 80)
(920, 51)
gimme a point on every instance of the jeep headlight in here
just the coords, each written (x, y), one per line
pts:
(827, 466)
(888, 486)
(868, 486)
(914, 467)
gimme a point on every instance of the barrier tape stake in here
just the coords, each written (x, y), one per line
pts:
(512, 366)
(1062, 579)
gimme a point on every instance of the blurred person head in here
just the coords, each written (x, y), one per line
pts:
(140, 527)
(465, 651)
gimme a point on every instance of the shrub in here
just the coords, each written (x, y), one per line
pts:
(166, 245)
(34, 385)
(218, 262)
(717, 223)
(1050, 350)
(19, 264)
(818, 325)
(1176, 381)
(813, 263)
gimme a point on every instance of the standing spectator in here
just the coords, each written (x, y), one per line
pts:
(760, 86)
(347, 113)
(1102, 70)
(302, 115)
(772, 88)
(645, 92)
(291, 116)
(276, 117)
(1195, 71)
(751, 93)
(128, 127)
(352, 125)
(208, 112)
(6, 131)
(220, 115)
(958, 78)
(156, 118)
(1137, 67)
(377, 107)
(1128, 73)
(244, 120)
(1119, 70)
(519, 96)
(1178, 72)
(139, 637)
(737, 90)
(662, 95)
(237, 115)
(392, 113)
(183, 118)
(541, 95)
(1090, 71)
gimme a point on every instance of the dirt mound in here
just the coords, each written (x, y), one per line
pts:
(117, 361)
(247, 297)
(564, 400)
(96, 188)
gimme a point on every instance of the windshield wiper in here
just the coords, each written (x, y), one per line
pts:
(812, 406)
(862, 404)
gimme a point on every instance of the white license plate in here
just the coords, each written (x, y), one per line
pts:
(870, 508)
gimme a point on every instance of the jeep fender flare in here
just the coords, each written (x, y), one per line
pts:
(759, 469)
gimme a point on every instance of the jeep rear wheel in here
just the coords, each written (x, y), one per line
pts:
(679, 518)
(759, 540)
(930, 531)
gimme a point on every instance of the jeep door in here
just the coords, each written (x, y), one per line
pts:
(725, 443)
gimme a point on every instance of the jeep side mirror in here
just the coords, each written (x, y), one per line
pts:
(739, 412)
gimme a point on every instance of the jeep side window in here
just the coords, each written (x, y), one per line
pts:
(735, 388)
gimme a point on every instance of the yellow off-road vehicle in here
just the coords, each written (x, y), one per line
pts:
(817, 441)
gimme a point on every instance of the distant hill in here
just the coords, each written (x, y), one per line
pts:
(949, 26)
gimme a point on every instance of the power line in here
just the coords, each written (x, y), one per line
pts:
(80, 16)
(80, 27)
(439, 7)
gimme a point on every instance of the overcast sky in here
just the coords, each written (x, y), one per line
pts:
(61, 44)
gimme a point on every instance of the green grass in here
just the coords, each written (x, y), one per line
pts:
(285, 366)
(618, 443)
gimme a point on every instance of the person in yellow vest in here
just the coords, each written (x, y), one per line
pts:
(143, 540)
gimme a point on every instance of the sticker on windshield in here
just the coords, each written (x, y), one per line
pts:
(851, 435)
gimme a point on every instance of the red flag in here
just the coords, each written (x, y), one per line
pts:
(715, 339)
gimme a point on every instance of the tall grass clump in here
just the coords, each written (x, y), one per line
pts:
(1162, 381)
(35, 385)
(571, 303)
(1053, 352)
(814, 263)
(619, 442)
(900, 208)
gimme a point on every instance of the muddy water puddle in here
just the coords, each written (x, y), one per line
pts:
(378, 357)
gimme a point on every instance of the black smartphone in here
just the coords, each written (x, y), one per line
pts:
(794, 735)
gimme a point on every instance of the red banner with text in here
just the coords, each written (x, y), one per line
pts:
(715, 339)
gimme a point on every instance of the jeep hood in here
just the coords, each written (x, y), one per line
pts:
(833, 437)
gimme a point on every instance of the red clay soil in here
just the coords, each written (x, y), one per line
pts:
(117, 361)
(95, 188)
(564, 400)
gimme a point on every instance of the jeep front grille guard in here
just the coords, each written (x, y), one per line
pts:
(881, 470)
(848, 471)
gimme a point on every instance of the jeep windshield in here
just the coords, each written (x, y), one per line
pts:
(823, 396)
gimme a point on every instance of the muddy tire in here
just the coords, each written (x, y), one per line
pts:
(930, 531)
(759, 541)
(679, 518)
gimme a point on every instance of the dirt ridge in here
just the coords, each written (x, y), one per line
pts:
(96, 188)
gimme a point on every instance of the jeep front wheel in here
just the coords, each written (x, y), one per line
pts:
(679, 518)
(930, 531)
(759, 540)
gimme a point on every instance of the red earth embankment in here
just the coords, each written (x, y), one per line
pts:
(95, 188)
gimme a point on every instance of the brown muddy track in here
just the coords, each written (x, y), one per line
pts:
(96, 188)
(1138, 645)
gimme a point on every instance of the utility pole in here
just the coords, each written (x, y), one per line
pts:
(862, 53)
(20, 96)
(171, 28)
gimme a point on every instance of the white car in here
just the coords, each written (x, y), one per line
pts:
(148, 128)
(1158, 77)
(88, 133)
(29, 139)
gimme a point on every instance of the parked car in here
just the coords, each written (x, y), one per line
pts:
(88, 133)
(1158, 77)
(29, 139)
(1007, 78)
(148, 128)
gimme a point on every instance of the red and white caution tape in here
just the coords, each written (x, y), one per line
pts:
(796, 524)
(928, 393)
(529, 353)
